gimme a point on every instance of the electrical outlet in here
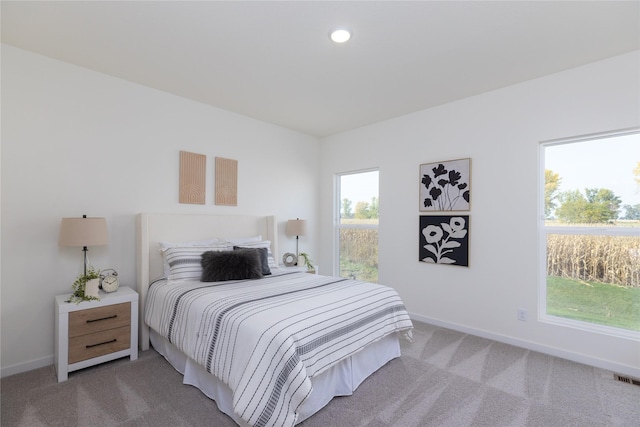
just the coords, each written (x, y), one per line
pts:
(522, 315)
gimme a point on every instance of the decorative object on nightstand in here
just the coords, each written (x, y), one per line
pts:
(296, 227)
(308, 262)
(109, 280)
(90, 333)
(289, 259)
(86, 287)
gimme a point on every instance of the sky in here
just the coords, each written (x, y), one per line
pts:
(605, 163)
(359, 187)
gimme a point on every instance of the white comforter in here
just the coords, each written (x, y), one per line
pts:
(265, 338)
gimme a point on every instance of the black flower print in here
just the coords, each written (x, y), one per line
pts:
(445, 187)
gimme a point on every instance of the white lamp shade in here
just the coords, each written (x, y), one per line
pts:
(83, 232)
(296, 227)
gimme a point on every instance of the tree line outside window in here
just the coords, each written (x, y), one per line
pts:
(362, 210)
(591, 206)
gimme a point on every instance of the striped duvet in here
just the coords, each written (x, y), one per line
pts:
(266, 338)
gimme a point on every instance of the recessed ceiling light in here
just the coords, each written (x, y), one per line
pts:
(340, 35)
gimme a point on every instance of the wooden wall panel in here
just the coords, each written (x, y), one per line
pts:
(226, 182)
(193, 168)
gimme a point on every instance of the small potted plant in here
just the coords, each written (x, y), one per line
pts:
(308, 262)
(80, 286)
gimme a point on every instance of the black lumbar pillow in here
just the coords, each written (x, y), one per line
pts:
(263, 255)
(218, 266)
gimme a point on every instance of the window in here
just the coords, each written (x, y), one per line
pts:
(357, 227)
(590, 266)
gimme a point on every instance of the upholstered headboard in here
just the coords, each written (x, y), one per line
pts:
(152, 228)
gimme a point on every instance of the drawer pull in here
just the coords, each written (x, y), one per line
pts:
(101, 343)
(102, 318)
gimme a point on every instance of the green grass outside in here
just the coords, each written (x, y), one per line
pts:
(358, 271)
(594, 302)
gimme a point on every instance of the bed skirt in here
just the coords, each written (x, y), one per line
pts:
(340, 380)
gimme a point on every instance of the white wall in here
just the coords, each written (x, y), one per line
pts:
(500, 131)
(79, 142)
(75, 141)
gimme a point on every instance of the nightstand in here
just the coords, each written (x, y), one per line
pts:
(94, 332)
(299, 268)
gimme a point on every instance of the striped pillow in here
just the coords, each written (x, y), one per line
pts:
(166, 245)
(186, 262)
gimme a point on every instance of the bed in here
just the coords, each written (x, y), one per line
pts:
(269, 350)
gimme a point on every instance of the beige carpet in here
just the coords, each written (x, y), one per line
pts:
(444, 378)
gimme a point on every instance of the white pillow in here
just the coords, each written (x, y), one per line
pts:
(166, 245)
(242, 240)
(186, 262)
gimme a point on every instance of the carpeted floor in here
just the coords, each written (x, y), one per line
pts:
(444, 378)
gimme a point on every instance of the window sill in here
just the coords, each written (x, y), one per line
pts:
(591, 327)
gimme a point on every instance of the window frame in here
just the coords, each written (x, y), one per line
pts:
(544, 231)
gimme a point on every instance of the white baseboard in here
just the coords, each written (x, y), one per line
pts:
(552, 351)
(27, 366)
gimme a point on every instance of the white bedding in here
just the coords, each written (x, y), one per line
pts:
(340, 380)
(266, 339)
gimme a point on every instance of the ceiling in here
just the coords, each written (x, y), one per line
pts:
(273, 61)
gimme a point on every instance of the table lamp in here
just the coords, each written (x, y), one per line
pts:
(83, 232)
(296, 227)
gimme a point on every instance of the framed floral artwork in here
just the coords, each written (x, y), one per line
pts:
(444, 239)
(445, 186)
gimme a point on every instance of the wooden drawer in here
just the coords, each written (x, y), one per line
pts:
(94, 332)
(87, 346)
(99, 319)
